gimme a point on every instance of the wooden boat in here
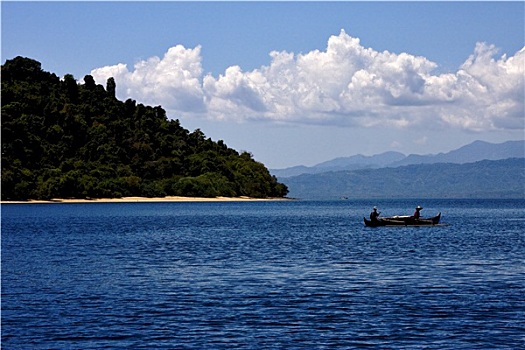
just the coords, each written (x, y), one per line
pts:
(404, 221)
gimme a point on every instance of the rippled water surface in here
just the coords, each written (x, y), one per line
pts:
(262, 275)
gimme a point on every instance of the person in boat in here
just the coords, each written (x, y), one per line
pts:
(417, 214)
(374, 215)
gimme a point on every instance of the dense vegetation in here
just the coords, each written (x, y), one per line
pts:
(62, 139)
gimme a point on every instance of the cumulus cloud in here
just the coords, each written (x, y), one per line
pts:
(173, 81)
(346, 84)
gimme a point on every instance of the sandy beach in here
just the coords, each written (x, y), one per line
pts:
(145, 200)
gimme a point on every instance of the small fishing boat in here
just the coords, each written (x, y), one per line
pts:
(403, 221)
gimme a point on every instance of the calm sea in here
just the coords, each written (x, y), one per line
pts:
(262, 275)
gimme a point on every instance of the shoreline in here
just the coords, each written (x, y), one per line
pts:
(145, 200)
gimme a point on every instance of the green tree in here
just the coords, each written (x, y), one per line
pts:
(64, 139)
(89, 82)
(111, 87)
(71, 87)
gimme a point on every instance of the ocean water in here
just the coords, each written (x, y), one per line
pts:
(262, 275)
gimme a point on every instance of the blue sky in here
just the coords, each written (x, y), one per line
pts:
(296, 83)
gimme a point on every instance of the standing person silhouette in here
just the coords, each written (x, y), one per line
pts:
(417, 213)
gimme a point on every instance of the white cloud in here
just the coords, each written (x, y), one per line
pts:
(421, 141)
(173, 81)
(347, 84)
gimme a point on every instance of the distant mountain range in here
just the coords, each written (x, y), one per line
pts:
(483, 179)
(473, 152)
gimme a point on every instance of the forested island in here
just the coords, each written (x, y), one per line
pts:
(62, 139)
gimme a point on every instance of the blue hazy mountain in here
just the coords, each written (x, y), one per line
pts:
(473, 152)
(343, 163)
(483, 179)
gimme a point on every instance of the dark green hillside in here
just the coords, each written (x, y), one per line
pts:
(69, 140)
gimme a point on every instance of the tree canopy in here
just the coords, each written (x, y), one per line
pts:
(62, 139)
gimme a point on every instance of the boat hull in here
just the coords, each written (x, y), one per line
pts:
(403, 221)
